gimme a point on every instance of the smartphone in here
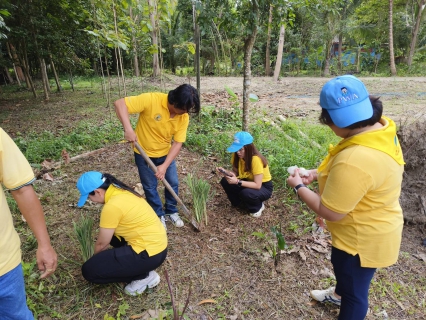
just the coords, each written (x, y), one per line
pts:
(224, 172)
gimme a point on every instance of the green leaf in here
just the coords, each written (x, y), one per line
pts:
(281, 241)
(253, 97)
(260, 235)
(230, 92)
(152, 49)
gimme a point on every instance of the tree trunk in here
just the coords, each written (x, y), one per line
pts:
(278, 63)
(248, 49)
(44, 78)
(8, 76)
(23, 59)
(58, 85)
(19, 74)
(71, 81)
(135, 51)
(16, 74)
(339, 53)
(268, 43)
(327, 58)
(197, 51)
(154, 37)
(391, 52)
(415, 33)
(118, 71)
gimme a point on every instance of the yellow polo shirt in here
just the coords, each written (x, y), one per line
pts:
(365, 184)
(256, 168)
(155, 129)
(134, 220)
(15, 172)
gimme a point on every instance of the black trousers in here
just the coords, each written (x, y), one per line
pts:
(120, 264)
(251, 198)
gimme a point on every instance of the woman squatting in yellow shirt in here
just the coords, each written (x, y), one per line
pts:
(249, 183)
(131, 227)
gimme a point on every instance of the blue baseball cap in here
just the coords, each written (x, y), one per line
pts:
(241, 139)
(347, 100)
(88, 182)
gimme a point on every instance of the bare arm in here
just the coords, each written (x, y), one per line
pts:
(123, 116)
(313, 200)
(104, 239)
(31, 209)
(256, 184)
(173, 153)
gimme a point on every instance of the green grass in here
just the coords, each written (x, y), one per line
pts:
(85, 136)
(212, 133)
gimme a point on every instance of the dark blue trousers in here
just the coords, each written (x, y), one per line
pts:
(353, 283)
(251, 198)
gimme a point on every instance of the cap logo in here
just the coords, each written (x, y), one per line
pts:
(236, 140)
(346, 96)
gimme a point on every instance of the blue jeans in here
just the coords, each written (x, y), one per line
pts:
(149, 183)
(13, 302)
(353, 283)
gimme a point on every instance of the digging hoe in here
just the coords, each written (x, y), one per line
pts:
(168, 187)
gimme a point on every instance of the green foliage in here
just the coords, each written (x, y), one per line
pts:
(212, 133)
(36, 291)
(83, 230)
(86, 136)
(274, 242)
(200, 190)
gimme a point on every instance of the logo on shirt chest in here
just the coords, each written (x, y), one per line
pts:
(157, 117)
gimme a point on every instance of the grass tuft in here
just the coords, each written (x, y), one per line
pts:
(200, 190)
(83, 229)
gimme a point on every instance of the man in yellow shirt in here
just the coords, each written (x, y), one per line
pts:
(17, 175)
(161, 131)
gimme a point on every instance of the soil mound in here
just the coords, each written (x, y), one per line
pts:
(413, 195)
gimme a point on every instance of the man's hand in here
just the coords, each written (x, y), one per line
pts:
(46, 261)
(130, 135)
(161, 171)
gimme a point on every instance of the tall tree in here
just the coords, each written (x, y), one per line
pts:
(420, 10)
(154, 37)
(268, 42)
(279, 60)
(391, 52)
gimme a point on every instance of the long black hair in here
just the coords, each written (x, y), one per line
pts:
(249, 151)
(110, 179)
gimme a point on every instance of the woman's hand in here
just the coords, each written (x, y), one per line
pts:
(294, 180)
(311, 177)
(232, 178)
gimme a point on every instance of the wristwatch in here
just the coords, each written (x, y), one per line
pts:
(240, 183)
(296, 188)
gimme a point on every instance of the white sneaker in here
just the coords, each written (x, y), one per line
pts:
(325, 296)
(259, 213)
(138, 286)
(175, 219)
(163, 221)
